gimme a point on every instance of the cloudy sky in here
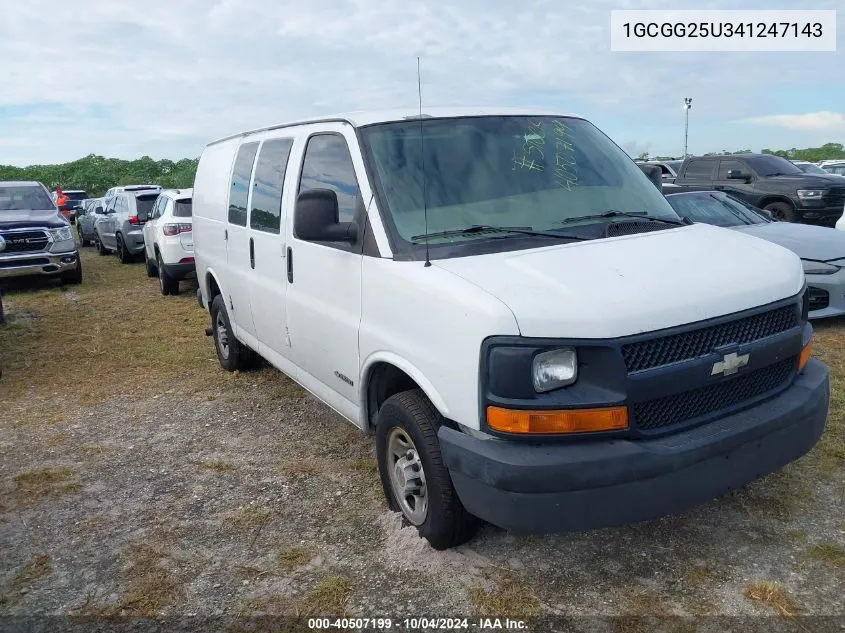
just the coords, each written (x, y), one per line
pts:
(93, 76)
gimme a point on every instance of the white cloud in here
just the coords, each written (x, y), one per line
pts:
(167, 78)
(830, 122)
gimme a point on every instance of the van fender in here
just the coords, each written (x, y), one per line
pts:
(409, 368)
(205, 288)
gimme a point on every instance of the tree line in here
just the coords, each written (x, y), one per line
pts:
(96, 174)
(828, 151)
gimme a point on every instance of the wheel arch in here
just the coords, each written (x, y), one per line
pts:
(385, 374)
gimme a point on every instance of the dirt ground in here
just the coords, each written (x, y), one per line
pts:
(140, 479)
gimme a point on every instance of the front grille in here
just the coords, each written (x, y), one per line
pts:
(819, 299)
(836, 197)
(682, 407)
(25, 241)
(635, 226)
(686, 345)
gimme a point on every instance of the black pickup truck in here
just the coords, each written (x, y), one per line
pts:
(767, 182)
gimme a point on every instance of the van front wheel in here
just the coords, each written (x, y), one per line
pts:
(232, 354)
(414, 479)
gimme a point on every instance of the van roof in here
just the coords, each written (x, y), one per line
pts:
(361, 118)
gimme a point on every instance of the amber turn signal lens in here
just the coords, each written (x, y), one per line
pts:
(805, 355)
(562, 421)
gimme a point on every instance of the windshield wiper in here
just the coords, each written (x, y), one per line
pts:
(486, 228)
(640, 215)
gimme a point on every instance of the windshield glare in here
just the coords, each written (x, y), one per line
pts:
(532, 172)
(809, 168)
(771, 165)
(713, 208)
(25, 198)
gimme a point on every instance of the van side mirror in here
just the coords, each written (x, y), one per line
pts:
(654, 173)
(315, 218)
(98, 209)
(737, 174)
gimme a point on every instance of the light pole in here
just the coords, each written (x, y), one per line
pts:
(687, 106)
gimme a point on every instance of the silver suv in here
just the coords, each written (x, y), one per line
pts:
(34, 238)
(120, 228)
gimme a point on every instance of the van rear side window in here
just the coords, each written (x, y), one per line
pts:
(239, 191)
(266, 208)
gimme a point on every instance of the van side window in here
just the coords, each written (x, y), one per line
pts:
(239, 191)
(266, 208)
(328, 165)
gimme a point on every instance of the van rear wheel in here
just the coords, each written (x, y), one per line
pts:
(414, 479)
(232, 354)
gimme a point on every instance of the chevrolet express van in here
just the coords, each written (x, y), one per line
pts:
(513, 310)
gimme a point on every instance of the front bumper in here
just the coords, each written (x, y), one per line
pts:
(546, 488)
(825, 215)
(29, 264)
(827, 294)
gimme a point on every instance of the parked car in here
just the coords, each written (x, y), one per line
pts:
(86, 218)
(534, 337)
(120, 229)
(116, 190)
(35, 239)
(821, 249)
(767, 182)
(69, 202)
(837, 169)
(169, 240)
(809, 168)
(668, 169)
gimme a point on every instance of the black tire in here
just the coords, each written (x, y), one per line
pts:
(152, 271)
(82, 240)
(101, 250)
(121, 252)
(237, 356)
(447, 523)
(782, 211)
(167, 284)
(74, 278)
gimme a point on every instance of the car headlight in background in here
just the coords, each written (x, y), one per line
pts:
(61, 235)
(811, 194)
(554, 369)
(818, 268)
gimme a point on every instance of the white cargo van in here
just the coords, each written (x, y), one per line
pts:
(515, 312)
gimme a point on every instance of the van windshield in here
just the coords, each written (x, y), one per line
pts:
(506, 171)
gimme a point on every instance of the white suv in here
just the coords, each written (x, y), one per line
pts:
(169, 240)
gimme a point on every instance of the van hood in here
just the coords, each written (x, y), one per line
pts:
(805, 240)
(631, 284)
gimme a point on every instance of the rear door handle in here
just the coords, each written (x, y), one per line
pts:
(252, 253)
(290, 265)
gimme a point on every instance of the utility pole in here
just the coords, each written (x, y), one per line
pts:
(687, 106)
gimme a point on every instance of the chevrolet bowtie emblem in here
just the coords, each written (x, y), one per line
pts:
(730, 364)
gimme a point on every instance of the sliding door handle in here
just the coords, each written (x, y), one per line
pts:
(252, 253)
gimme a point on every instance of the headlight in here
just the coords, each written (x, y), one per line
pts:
(818, 268)
(811, 194)
(554, 369)
(61, 235)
